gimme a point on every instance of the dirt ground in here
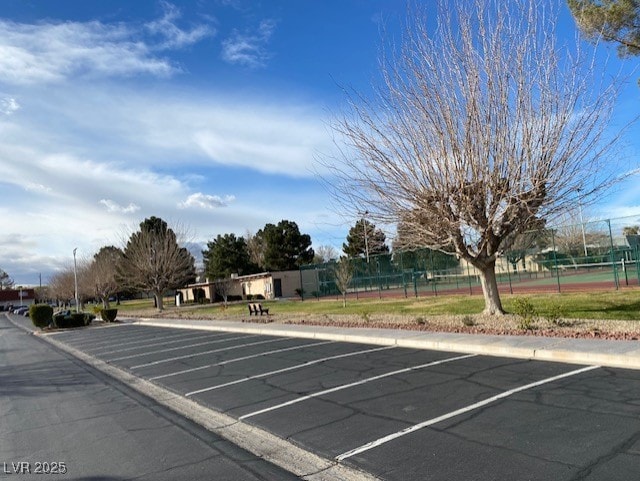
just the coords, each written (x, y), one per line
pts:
(472, 324)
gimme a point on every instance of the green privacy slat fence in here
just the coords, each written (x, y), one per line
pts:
(592, 255)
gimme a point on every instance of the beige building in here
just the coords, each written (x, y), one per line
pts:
(267, 285)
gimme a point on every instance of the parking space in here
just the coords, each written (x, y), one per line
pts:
(395, 412)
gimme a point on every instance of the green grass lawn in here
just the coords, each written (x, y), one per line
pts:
(618, 305)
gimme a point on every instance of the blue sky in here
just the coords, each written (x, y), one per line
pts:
(208, 113)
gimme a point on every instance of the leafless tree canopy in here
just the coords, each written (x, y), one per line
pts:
(343, 272)
(154, 261)
(102, 273)
(480, 128)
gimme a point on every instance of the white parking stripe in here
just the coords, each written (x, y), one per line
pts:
(147, 338)
(243, 358)
(471, 407)
(160, 351)
(353, 384)
(286, 369)
(153, 344)
(209, 352)
(128, 340)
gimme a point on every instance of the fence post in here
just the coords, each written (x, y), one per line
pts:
(433, 274)
(509, 276)
(555, 258)
(613, 259)
(301, 286)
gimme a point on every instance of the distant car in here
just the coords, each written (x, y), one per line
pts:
(21, 310)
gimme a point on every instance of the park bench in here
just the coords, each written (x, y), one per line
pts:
(255, 308)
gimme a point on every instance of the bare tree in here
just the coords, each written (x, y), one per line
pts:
(325, 253)
(255, 248)
(102, 273)
(6, 282)
(154, 261)
(478, 131)
(343, 272)
(223, 287)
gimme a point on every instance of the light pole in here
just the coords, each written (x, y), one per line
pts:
(75, 278)
(366, 240)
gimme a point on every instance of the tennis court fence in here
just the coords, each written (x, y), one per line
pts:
(601, 254)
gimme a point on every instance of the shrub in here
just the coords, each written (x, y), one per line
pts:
(61, 321)
(259, 297)
(88, 318)
(41, 315)
(555, 316)
(420, 321)
(109, 315)
(77, 319)
(468, 321)
(524, 308)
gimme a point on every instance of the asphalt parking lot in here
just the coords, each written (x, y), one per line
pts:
(394, 412)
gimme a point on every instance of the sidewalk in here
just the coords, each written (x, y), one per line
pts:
(623, 354)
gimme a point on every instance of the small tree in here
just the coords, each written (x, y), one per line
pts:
(154, 261)
(223, 288)
(343, 272)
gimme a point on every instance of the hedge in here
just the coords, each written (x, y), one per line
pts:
(41, 314)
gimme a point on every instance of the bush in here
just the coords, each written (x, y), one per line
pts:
(41, 315)
(109, 315)
(524, 308)
(468, 321)
(61, 321)
(77, 319)
(249, 297)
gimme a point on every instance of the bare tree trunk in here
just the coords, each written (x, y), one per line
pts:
(492, 303)
(344, 299)
(159, 301)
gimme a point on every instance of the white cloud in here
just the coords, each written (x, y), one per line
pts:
(205, 201)
(175, 37)
(249, 48)
(115, 207)
(50, 52)
(9, 106)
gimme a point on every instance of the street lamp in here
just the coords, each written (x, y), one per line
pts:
(366, 240)
(75, 278)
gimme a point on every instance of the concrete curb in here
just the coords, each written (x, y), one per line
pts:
(263, 444)
(621, 354)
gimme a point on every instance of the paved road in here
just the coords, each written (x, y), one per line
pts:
(397, 413)
(334, 398)
(57, 413)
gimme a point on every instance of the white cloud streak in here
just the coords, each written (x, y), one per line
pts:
(51, 52)
(249, 48)
(115, 207)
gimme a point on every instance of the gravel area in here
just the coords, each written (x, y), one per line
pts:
(472, 324)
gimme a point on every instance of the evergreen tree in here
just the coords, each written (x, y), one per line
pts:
(285, 248)
(613, 20)
(363, 239)
(226, 255)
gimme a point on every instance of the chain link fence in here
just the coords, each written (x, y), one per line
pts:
(600, 254)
